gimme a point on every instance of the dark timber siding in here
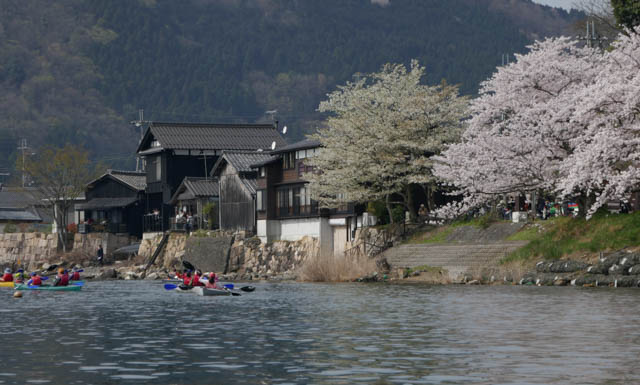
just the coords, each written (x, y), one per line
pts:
(237, 210)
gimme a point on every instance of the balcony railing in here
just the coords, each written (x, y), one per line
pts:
(298, 211)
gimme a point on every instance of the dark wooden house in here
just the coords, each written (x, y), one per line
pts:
(237, 182)
(285, 209)
(173, 151)
(192, 196)
(115, 203)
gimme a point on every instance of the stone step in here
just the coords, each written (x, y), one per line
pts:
(456, 258)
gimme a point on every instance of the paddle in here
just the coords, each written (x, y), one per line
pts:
(170, 286)
(188, 265)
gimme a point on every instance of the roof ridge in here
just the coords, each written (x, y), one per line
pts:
(129, 172)
(197, 124)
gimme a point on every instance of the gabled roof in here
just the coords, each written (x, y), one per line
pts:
(133, 179)
(19, 215)
(137, 180)
(203, 136)
(192, 187)
(301, 145)
(242, 161)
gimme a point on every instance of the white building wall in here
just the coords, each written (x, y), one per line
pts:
(295, 229)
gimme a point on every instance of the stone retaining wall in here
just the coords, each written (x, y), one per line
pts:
(87, 244)
(27, 248)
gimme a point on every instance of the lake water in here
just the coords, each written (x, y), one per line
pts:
(292, 333)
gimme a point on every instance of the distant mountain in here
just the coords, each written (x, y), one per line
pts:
(78, 70)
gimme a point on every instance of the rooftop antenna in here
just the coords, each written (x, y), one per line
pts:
(272, 113)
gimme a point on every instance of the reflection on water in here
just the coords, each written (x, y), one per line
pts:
(290, 333)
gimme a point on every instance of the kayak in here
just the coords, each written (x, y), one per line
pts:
(6, 284)
(210, 292)
(52, 288)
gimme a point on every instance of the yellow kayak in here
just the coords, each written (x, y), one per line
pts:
(6, 284)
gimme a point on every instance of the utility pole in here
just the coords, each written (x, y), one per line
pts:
(23, 147)
(592, 38)
(139, 123)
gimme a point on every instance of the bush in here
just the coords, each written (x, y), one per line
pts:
(379, 209)
(10, 228)
(398, 214)
(72, 228)
(209, 211)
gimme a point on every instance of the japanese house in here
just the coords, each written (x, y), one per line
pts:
(192, 197)
(24, 208)
(115, 203)
(238, 189)
(173, 151)
(285, 209)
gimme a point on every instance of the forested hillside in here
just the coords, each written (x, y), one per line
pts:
(78, 70)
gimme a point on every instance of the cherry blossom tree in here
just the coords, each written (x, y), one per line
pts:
(381, 135)
(521, 128)
(606, 160)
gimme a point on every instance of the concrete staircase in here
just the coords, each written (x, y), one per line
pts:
(456, 258)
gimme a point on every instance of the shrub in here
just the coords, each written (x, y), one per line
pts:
(209, 211)
(398, 214)
(72, 228)
(10, 228)
(379, 209)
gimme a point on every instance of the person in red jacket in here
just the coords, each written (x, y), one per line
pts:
(196, 279)
(212, 283)
(186, 279)
(7, 277)
(35, 280)
(75, 275)
(62, 279)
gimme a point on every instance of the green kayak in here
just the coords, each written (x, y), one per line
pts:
(53, 288)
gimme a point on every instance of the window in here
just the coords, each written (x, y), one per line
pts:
(261, 203)
(289, 160)
(158, 169)
(155, 143)
(154, 172)
(295, 201)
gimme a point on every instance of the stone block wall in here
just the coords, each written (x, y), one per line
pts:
(88, 243)
(28, 248)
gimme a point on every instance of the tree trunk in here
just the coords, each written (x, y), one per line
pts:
(410, 204)
(388, 204)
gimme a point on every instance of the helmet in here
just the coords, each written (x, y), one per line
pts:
(7, 270)
(20, 270)
(75, 268)
(61, 270)
(33, 274)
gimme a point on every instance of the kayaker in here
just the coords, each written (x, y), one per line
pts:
(62, 279)
(212, 283)
(18, 277)
(75, 275)
(176, 274)
(7, 277)
(35, 280)
(186, 279)
(196, 279)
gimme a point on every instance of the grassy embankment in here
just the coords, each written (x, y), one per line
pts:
(558, 237)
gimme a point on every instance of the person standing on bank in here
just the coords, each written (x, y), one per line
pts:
(100, 255)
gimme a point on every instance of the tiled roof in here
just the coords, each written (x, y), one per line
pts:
(18, 199)
(20, 215)
(106, 203)
(242, 160)
(137, 180)
(265, 162)
(301, 145)
(201, 187)
(199, 136)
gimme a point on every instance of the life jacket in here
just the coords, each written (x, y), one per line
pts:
(179, 276)
(186, 280)
(36, 281)
(196, 281)
(75, 276)
(7, 277)
(18, 277)
(64, 280)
